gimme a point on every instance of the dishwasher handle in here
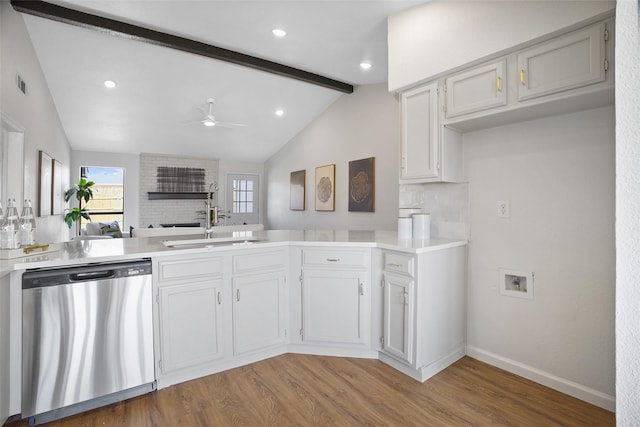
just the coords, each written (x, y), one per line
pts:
(91, 275)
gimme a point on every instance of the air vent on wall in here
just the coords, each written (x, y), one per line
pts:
(22, 85)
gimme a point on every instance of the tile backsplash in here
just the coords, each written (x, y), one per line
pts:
(447, 203)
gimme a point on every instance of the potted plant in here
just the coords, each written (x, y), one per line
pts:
(82, 191)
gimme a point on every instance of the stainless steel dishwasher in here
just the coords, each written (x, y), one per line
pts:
(87, 337)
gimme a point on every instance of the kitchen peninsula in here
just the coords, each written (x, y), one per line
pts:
(328, 292)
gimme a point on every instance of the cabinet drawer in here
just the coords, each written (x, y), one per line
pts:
(189, 268)
(259, 261)
(399, 263)
(333, 258)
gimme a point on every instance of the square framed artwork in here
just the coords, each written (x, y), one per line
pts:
(297, 190)
(45, 177)
(362, 188)
(326, 188)
(57, 192)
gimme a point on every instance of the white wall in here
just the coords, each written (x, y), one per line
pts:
(627, 213)
(131, 165)
(442, 35)
(35, 113)
(559, 176)
(363, 124)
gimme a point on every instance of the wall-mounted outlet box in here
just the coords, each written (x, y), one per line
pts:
(516, 283)
(504, 209)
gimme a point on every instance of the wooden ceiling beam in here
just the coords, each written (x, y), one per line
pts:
(134, 32)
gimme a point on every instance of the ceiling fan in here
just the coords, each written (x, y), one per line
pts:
(210, 120)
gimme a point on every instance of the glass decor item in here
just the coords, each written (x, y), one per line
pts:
(27, 225)
(9, 237)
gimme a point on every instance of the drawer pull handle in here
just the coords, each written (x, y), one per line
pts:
(522, 77)
(238, 295)
(219, 299)
(333, 259)
(393, 264)
(499, 83)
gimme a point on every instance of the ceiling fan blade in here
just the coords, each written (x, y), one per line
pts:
(229, 125)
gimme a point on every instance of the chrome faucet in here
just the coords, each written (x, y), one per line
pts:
(208, 209)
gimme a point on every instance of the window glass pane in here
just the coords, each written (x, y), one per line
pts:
(250, 185)
(249, 207)
(249, 197)
(107, 204)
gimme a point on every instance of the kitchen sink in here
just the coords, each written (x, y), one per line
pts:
(209, 241)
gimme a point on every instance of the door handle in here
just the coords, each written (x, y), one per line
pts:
(237, 294)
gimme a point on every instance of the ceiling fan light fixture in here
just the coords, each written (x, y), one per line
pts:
(209, 123)
(279, 32)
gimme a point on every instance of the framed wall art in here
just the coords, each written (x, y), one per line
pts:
(325, 188)
(297, 190)
(362, 188)
(57, 192)
(44, 183)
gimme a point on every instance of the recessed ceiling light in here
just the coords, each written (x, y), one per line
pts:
(365, 65)
(279, 32)
(279, 113)
(110, 84)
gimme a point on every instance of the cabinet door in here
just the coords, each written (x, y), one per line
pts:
(419, 133)
(258, 312)
(398, 317)
(566, 62)
(332, 307)
(477, 89)
(190, 324)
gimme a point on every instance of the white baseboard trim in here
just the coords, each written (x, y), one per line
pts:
(563, 385)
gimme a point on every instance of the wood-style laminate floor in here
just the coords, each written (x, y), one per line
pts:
(302, 390)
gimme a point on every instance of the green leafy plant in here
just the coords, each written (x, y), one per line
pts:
(82, 191)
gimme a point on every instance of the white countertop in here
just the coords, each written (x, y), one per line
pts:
(104, 250)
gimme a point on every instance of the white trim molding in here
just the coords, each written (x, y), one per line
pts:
(562, 385)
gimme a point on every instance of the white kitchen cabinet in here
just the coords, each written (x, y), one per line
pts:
(430, 152)
(333, 307)
(563, 74)
(258, 312)
(423, 310)
(335, 298)
(567, 62)
(190, 321)
(419, 112)
(398, 316)
(190, 297)
(480, 88)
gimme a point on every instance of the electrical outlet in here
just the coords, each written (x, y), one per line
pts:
(504, 209)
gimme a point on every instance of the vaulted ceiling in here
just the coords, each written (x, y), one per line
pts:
(161, 93)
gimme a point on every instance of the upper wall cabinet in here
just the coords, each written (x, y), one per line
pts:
(567, 62)
(430, 152)
(564, 74)
(419, 133)
(477, 89)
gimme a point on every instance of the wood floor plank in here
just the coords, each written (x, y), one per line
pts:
(304, 390)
